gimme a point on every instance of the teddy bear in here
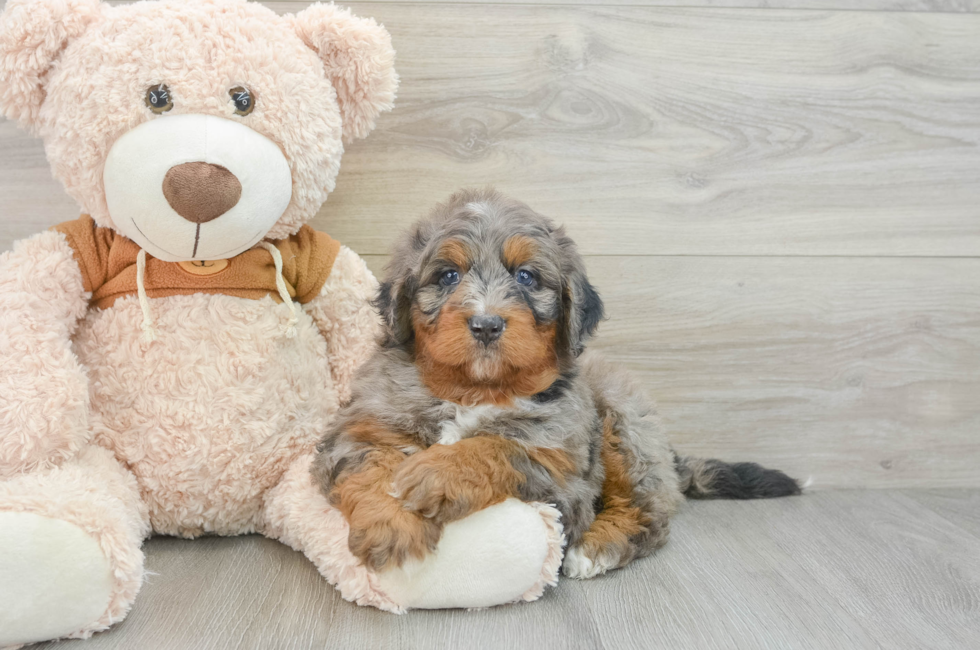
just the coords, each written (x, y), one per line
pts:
(169, 359)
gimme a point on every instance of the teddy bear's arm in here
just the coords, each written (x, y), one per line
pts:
(345, 316)
(43, 387)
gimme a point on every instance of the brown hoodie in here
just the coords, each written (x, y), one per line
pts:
(108, 264)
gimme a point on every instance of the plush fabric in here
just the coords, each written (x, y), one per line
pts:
(109, 434)
(358, 57)
(62, 62)
(43, 388)
(96, 495)
(297, 514)
(55, 578)
(32, 38)
(108, 264)
(201, 191)
(505, 553)
(346, 299)
(137, 186)
(210, 414)
(512, 550)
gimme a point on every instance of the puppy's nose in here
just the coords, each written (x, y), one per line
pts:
(486, 328)
(200, 191)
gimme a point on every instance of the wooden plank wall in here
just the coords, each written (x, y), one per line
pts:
(781, 206)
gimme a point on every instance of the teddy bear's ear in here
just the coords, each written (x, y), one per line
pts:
(33, 34)
(359, 61)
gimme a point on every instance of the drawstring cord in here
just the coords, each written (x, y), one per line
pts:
(149, 334)
(281, 287)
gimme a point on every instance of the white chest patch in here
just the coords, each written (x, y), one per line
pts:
(466, 423)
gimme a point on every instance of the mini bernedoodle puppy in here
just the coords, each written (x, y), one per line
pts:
(481, 391)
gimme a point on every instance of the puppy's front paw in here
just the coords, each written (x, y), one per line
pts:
(387, 537)
(432, 485)
(582, 565)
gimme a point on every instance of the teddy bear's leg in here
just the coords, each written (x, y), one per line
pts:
(507, 552)
(70, 559)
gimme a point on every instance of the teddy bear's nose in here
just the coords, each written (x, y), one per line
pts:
(200, 191)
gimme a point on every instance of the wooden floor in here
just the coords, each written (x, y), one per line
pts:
(838, 569)
(779, 201)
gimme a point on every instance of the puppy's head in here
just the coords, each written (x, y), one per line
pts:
(490, 293)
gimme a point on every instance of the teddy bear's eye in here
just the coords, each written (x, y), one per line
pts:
(158, 98)
(243, 99)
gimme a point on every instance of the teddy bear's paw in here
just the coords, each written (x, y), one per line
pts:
(582, 565)
(56, 580)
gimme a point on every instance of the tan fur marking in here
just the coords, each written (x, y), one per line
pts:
(448, 340)
(382, 532)
(446, 351)
(456, 252)
(370, 431)
(558, 463)
(611, 531)
(525, 344)
(519, 250)
(448, 482)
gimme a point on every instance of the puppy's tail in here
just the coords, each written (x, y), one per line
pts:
(707, 478)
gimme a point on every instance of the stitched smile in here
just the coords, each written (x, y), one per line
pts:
(151, 241)
(253, 239)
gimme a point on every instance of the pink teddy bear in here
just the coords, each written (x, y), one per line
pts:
(169, 360)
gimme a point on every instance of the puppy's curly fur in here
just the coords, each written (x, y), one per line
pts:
(481, 391)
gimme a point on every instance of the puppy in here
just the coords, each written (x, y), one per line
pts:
(481, 391)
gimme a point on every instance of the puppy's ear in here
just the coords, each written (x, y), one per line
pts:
(582, 308)
(394, 303)
(401, 283)
(359, 60)
(33, 33)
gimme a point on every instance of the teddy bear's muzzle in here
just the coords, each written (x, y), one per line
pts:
(200, 191)
(195, 186)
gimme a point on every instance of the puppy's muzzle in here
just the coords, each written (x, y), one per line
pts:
(486, 328)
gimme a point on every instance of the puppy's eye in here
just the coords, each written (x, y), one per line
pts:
(158, 99)
(243, 99)
(449, 278)
(524, 277)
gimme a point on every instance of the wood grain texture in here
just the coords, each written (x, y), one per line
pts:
(961, 507)
(852, 372)
(954, 6)
(737, 171)
(30, 199)
(732, 173)
(659, 131)
(850, 569)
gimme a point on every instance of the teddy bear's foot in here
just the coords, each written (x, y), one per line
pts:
(55, 578)
(504, 553)
(508, 552)
(70, 559)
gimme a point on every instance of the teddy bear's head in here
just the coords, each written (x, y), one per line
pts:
(194, 127)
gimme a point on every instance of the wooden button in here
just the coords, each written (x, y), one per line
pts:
(204, 267)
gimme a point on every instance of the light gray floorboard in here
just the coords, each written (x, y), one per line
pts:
(855, 372)
(851, 569)
(654, 130)
(780, 208)
(955, 6)
(959, 506)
